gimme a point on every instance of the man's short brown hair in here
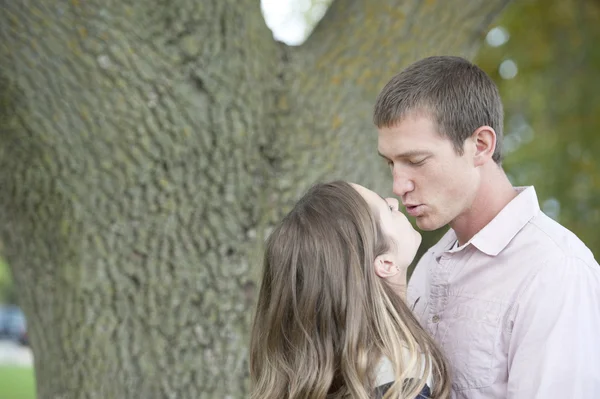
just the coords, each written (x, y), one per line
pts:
(457, 94)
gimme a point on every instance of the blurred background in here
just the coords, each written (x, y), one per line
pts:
(544, 56)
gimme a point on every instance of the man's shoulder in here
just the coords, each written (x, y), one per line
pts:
(556, 242)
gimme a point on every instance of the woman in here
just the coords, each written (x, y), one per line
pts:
(331, 321)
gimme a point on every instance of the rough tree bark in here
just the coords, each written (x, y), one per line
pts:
(145, 149)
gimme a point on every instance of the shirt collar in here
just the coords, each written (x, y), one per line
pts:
(444, 244)
(496, 235)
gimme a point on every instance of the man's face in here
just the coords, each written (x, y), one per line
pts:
(435, 184)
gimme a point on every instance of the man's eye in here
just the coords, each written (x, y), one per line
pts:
(417, 162)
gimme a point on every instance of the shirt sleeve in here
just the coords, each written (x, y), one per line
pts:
(554, 348)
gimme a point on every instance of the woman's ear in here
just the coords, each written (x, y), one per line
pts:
(386, 266)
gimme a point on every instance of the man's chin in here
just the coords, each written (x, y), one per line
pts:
(426, 224)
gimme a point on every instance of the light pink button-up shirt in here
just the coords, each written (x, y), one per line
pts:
(516, 310)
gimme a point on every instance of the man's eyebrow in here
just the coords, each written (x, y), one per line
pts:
(407, 154)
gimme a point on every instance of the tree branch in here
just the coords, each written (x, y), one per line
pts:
(355, 49)
(361, 40)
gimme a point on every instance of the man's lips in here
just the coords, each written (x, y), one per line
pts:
(414, 210)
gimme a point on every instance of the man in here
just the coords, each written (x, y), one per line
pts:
(511, 296)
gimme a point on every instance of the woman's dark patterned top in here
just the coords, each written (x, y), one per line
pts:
(382, 389)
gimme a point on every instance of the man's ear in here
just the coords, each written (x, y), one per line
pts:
(484, 139)
(385, 266)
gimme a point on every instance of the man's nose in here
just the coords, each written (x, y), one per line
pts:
(403, 184)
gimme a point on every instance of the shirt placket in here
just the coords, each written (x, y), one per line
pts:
(439, 293)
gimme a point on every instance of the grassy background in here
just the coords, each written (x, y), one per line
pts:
(17, 382)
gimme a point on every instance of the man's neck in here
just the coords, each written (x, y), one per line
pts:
(494, 193)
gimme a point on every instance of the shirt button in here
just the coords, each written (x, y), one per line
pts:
(435, 318)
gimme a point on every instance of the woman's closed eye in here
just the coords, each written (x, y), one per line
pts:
(391, 204)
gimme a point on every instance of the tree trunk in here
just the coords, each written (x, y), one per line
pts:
(145, 150)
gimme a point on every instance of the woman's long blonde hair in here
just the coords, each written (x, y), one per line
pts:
(324, 319)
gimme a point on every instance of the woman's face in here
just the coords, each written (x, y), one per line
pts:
(404, 239)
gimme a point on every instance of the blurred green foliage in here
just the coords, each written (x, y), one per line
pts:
(552, 106)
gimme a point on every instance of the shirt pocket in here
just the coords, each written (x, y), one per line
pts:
(473, 329)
